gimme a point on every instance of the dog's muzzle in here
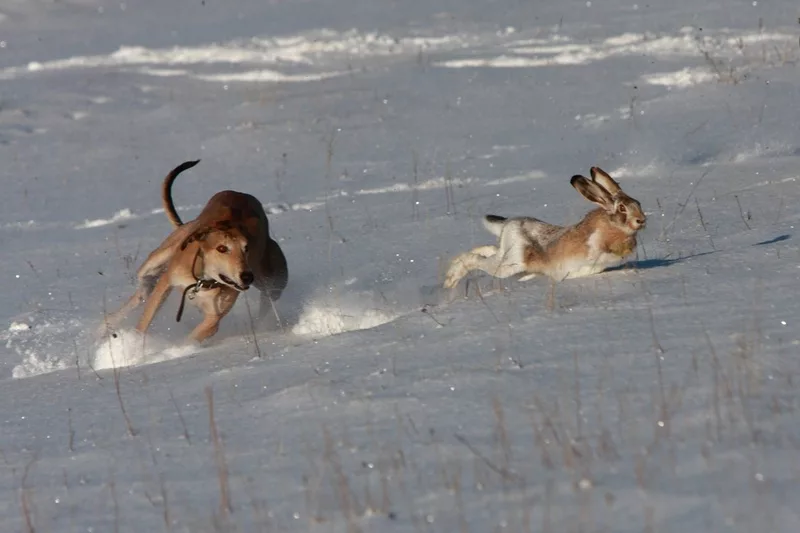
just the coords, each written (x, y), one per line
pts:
(228, 281)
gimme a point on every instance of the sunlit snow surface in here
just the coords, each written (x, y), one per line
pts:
(660, 396)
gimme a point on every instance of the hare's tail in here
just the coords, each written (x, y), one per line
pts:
(494, 224)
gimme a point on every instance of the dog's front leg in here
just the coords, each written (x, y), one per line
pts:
(214, 304)
(153, 302)
(208, 327)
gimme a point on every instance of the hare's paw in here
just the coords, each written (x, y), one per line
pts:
(455, 273)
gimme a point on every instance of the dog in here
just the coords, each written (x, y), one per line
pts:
(212, 259)
(602, 239)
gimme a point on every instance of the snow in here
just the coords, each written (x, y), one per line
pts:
(658, 396)
(122, 214)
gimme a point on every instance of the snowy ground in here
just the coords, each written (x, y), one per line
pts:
(659, 397)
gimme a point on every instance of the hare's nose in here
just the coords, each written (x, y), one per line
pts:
(640, 222)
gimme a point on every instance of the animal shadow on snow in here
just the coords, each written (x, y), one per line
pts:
(779, 238)
(648, 264)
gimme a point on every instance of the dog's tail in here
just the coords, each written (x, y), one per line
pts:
(166, 192)
(494, 224)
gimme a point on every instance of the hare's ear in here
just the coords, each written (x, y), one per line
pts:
(593, 192)
(602, 178)
(198, 235)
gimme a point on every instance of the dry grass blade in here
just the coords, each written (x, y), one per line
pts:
(504, 473)
(25, 498)
(225, 506)
(128, 424)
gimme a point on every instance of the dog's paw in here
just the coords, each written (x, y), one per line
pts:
(103, 331)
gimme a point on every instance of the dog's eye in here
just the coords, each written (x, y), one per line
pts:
(222, 249)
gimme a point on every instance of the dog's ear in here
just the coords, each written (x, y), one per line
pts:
(251, 228)
(198, 235)
(239, 225)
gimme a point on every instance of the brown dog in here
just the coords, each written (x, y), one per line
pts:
(212, 258)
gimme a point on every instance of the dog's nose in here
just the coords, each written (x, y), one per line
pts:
(247, 278)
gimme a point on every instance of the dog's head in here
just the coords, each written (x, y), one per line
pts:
(224, 252)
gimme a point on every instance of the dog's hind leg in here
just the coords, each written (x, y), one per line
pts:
(147, 277)
(272, 277)
(153, 302)
(113, 320)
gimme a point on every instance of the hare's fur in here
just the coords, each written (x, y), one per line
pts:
(604, 238)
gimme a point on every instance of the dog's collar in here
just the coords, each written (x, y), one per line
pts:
(207, 283)
(192, 290)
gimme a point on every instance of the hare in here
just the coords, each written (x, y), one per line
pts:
(603, 239)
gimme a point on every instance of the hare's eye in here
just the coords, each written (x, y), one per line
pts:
(222, 249)
(622, 208)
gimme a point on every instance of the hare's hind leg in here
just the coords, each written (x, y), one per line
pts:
(534, 261)
(462, 264)
(498, 264)
(484, 251)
